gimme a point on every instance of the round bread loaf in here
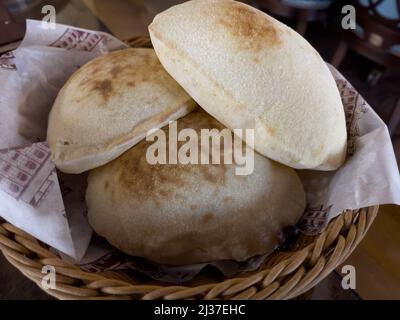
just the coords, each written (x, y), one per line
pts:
(108, 105)
(248, 70)
(190, 213)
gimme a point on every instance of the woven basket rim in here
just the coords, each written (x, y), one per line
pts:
(283, 275)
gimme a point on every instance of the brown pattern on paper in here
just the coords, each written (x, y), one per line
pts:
(42, 192)
(78, 40)
(314, 220)
(18, 169)
(7, 61)
(108, 262)
(115, 260)
(354, 107)
(112, 260)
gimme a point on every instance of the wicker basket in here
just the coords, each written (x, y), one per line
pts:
(283, 275)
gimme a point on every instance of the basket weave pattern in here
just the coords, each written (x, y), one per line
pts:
(283, 275)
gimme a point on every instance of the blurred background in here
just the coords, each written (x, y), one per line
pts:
(368, 55)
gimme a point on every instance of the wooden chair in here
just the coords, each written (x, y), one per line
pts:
(34, 9)
(376, 38)
(12, 26)
(10, 30)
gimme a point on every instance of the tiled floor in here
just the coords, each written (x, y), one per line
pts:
(377, 259)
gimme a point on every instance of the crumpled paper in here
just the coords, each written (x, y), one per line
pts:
(50, 205)
(369, 176)
(32, 196)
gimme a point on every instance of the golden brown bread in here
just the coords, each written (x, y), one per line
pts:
(189, 213)
(248, 70)
(108, 105)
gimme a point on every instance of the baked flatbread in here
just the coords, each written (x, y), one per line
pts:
(189, 213)
(108, 105)
(248, 70)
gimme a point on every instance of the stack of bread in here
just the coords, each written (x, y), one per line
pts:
(216, 64)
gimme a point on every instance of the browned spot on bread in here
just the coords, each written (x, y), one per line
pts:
(146, 181)
(135, 176)
(215, 174)
(115, 71)
(207, 217)
(109, 74)
(251, 29)
(165, 193)
(106, 185)
(227, 199)
(179, 196)
(104, 87)
(193, 207)
(271, 131)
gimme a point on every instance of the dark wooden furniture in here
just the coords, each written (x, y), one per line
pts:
(375, 39)
(12, 26)
(394, 120)
(34, 10)
(10, 29)
(302, 15)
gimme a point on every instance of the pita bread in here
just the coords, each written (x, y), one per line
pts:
(248, 70)
(108, 105)
(189, 213)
